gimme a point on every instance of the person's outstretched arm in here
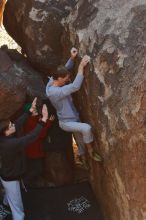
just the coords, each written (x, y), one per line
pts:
(13, 143)
(76, 84)
(17, 143)
(21, 120)
(70, 62)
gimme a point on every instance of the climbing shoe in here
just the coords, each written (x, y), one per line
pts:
(95, 156)
(82, 162)
(85, 164)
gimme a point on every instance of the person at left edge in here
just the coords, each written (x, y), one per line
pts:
(13, 158)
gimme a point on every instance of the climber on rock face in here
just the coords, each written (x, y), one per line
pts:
(59, 93)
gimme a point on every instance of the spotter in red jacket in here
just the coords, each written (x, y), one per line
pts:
(35, 149)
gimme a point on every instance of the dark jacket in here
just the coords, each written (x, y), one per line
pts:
(57, 139)
(13, 164)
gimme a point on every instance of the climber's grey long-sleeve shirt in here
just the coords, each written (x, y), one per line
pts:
(61, 99)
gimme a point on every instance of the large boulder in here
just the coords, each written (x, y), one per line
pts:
(113, 33)
(17, 81)
(36, 27)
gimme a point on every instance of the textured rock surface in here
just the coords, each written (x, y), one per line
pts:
(113, 32)
(36, 27)
(17, 80)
